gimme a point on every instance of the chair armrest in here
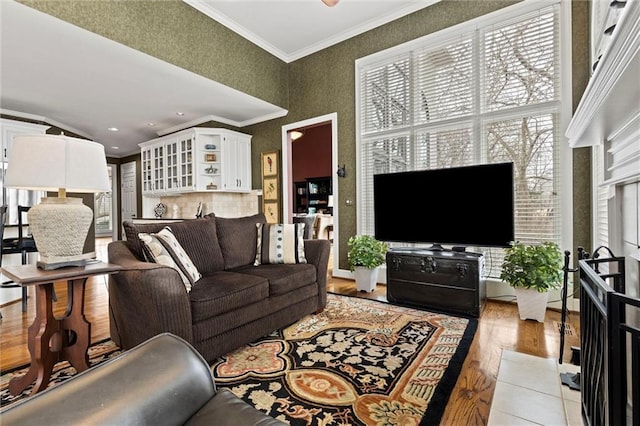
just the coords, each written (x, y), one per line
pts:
(145, 299)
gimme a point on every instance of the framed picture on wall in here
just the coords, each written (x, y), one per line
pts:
(272, 211)
(271, 185)
(270, 163)
(270, 188)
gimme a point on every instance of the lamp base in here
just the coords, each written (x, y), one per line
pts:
(60, 226)
(82, 260)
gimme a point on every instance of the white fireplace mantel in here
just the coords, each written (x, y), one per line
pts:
(611, 101)
(608, 119)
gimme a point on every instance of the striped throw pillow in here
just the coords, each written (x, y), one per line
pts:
(163, 248)
(280, 243)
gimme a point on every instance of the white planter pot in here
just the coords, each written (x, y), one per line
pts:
(366, 279)
(531, 303)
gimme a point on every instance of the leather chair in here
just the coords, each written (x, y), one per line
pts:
(22, 244)
(162, 381)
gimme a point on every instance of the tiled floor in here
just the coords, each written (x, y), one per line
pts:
(529, 392)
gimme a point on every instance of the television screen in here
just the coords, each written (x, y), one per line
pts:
(462, 206)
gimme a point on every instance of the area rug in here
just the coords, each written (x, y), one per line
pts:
(359, 362)
(98, 353)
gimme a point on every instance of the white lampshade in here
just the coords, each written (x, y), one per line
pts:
(51, 162)
(58, 163)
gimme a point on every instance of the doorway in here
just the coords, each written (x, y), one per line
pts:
(129, 195)
(105, 210)
(288, 196)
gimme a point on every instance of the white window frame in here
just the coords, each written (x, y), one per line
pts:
(565, 155)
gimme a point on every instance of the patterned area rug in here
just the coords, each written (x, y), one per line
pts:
(98, 353)
(360, 362)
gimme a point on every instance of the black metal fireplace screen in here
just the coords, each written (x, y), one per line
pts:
(610, 345)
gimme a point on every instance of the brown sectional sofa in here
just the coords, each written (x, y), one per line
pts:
(234, 303)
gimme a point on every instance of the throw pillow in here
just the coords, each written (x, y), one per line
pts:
(154, 251)
(164, 249)
(131, 231)
(179, 255)
(198, 237)
(280, 243)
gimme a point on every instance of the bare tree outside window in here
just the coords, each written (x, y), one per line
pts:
(488, 96)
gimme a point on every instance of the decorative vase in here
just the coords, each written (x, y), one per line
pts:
(531, 303)
(366, 278)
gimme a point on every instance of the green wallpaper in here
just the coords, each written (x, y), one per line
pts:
(581, 156)
(324, 82)
(318, 84)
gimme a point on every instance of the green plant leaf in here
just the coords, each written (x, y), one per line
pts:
(366, 251)
(537, 266)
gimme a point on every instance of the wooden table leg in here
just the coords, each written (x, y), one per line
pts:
(52, 340)
(76, 326)
(41, 331)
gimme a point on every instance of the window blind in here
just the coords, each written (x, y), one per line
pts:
(483, 96)
(602, 199)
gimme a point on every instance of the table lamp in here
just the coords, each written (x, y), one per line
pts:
(58, 163)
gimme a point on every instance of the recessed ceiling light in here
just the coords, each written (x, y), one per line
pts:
(151, 124)
(115, 147)
(180, 113)
(112, 129)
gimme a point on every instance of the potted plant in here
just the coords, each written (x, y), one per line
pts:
(366, 255)
(532, 270)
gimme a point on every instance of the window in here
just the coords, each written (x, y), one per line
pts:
(483, 92)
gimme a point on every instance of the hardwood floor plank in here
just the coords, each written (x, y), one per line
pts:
(499, 327)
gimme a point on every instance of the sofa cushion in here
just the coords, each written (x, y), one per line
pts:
(224, 291)
(237, 237)
(198, 237)
(131, 231)
(280, 243)
(283, 278)
(157, 252)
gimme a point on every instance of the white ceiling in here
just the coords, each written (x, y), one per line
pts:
(74, 79)
(292, 29)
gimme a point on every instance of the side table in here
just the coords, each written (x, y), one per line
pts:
(51, 339)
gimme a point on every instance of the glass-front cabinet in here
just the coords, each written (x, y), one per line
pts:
(199, 159)
(185, 166)
(179, 166)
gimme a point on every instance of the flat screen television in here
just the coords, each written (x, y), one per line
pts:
(461, 206)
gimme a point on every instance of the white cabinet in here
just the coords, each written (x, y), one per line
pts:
(153, 169)
(167, 165)
(236, 162)
(179, 154)
(198, 159)
(12, 128)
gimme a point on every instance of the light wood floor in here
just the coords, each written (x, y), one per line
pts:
(498, 328)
